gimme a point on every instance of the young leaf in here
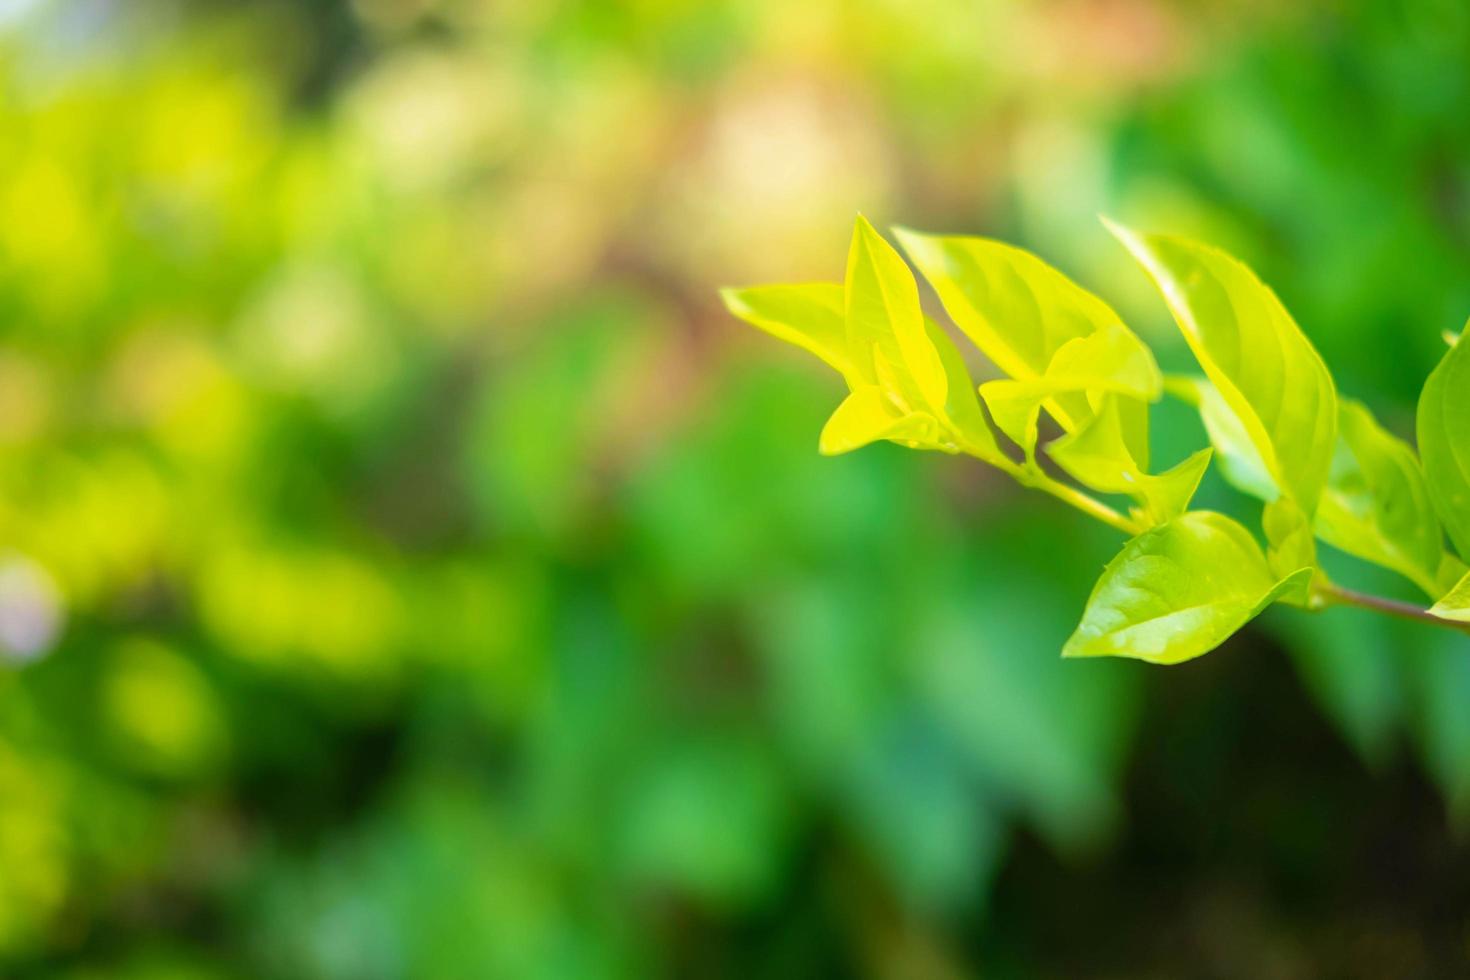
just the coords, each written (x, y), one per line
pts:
(1240, 463)
(1376, 506)
(887, 339)
(1112, 361)
(812, 316)
(1444, 441)
(910, 388)
(1455, 604)
(1291, 547)
(1263, 366)
(961, 418)
(1021, 312)
(1178, 591)
(1014, 306)
(1097, 457)
(869, 414)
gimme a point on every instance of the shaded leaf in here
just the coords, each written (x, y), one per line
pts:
(1444, 442)
(1376, 505)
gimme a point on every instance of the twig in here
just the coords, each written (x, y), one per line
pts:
(1337, 595)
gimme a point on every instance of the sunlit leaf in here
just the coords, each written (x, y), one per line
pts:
(1178, 591)
(869, 414)
(1290, 544)
(811, 316)
(1020, 312)
(1257, 358)
(1455, 604)
(887, 339)
(1097, 457)
(1014, 306)
(1376, 505)
(909, 383)
(1111, 361)
(1239, 462)
(1444, 442)
(963, 421)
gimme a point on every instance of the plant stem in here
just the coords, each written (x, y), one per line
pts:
(1337, 595)
(1088, 505)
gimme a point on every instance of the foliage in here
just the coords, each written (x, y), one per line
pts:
(408, 570)
(1189, 579)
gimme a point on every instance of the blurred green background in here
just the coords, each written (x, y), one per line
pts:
(407, 570)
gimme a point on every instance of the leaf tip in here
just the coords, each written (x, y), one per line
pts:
(1453, 614)
(730, 296)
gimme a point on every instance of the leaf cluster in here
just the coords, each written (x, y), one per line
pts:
(1323, 467)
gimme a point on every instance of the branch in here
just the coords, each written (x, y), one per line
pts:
(1337, 595)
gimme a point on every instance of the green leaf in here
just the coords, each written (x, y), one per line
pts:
(1291, 546)
(887, 339)
(1240, 463)
(1451, 570)
(812, 316)
(1455, 604)
(1258, 359)
(1376, 506)
(1178, 591)
(1021, 312)
(869, 414)
(1444, 442)
(1097, 456)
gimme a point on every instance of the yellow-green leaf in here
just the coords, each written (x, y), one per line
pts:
(962, 420)
(1020, 312)
(1258, 359)
(1014, 306)
(869, 414)
(1444, 441)
(1178, 591)
(1290, 544)
(810, 315)
(1377, 506)
(887, 339)
(1097, 456)
(1240, 463)
(1455, 604)
(1112, 361)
